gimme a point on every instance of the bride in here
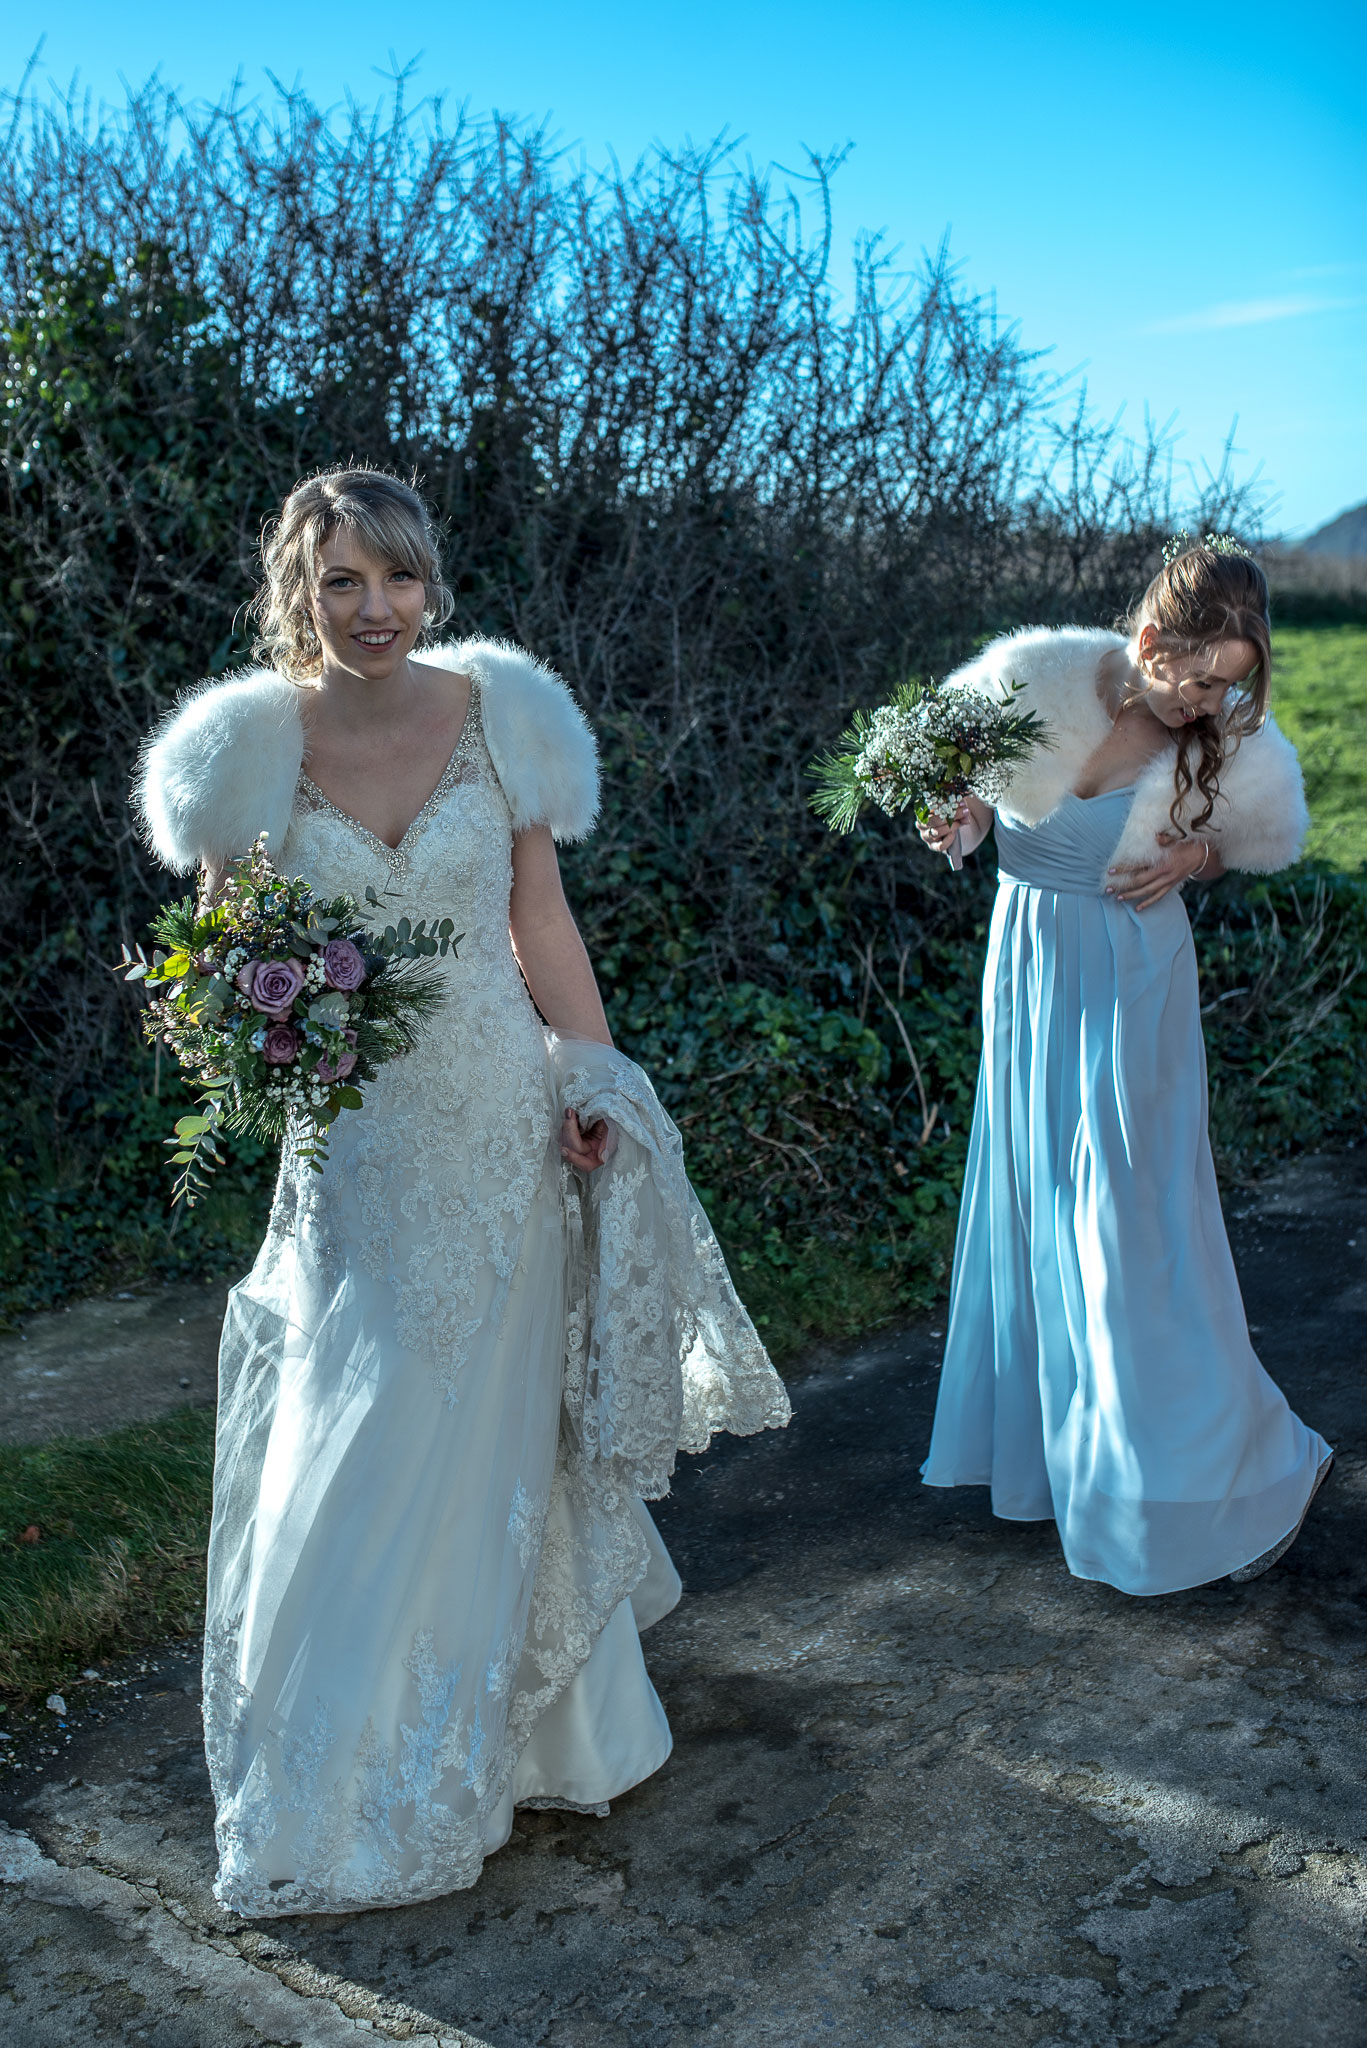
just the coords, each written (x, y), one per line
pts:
(471, 1345)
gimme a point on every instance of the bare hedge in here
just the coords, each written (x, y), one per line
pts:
(726, 503)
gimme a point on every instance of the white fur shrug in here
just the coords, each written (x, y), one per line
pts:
(224, 765)
(1260, 817)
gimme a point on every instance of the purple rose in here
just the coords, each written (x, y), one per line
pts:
(343, 964)
(282, 1045)
(243, 978)
(274, 986)
(345, 1061)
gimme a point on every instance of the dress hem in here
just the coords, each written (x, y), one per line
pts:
(948, 1485)
(534, 1802)
(1273, 1552)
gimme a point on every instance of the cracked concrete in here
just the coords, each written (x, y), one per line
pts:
(926, 1790)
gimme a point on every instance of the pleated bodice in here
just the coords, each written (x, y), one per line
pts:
(1070, 848)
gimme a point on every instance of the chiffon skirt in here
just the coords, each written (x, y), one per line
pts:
(1098, 1369)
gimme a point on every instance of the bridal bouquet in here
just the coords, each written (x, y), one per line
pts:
(927, 748)
(281, 1007)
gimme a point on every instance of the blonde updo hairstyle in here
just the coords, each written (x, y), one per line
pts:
(1201, 596)
(389, 521)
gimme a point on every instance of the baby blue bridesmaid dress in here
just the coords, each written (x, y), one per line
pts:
(1097, 1369)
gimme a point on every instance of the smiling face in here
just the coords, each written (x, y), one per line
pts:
(368, 613)
(1183, 687)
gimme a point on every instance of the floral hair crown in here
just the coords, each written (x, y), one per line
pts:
(1219, 543)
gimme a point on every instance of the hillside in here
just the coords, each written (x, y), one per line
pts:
(1346, 535)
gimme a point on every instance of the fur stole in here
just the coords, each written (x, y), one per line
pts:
(224, 765)
(1260, 817)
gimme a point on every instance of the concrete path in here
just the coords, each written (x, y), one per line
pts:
(927, 1789)
(99, 1364)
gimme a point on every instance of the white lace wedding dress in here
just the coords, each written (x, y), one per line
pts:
(450, 1375)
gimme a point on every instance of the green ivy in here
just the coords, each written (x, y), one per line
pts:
(809, 1137)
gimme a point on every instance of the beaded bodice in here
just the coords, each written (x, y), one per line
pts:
(432, 1180)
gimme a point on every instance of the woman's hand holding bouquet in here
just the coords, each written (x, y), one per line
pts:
(281, 1007)
(929, 750)
(944, 834)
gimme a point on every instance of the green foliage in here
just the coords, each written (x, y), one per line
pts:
(121, 1523)
(728, 519)
(86, 1205)
(1319, 694)
(1312, 605)
(1284, 1004)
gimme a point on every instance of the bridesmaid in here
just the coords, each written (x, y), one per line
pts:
(1097, 1369)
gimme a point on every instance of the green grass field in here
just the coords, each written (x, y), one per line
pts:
(1319, 694)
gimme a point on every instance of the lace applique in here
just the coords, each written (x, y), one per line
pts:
(309, 797)
(524, 1525)
(660, 1352)
(395, 1827)
(431, 1185)
(501, 1670)
(545, 1803)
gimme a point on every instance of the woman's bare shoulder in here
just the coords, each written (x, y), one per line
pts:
(453, 683)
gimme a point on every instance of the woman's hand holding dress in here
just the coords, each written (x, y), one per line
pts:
(586, 1145)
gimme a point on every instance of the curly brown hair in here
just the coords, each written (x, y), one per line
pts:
(388, 518)
(1202, 596)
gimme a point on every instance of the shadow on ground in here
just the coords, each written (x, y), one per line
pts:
(927, 1789)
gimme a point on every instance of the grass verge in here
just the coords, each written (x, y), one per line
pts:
(101, 1545)
(1320, 698)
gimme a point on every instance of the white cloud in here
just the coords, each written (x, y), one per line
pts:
(1249, 313)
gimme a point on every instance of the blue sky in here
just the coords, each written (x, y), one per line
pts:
(1171, 198)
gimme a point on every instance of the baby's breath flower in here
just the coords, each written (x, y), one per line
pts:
(925, 751)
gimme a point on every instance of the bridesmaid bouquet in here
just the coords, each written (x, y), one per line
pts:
(928, 748)
(281, 1007)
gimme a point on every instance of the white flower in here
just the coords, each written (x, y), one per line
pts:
(933, 751)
